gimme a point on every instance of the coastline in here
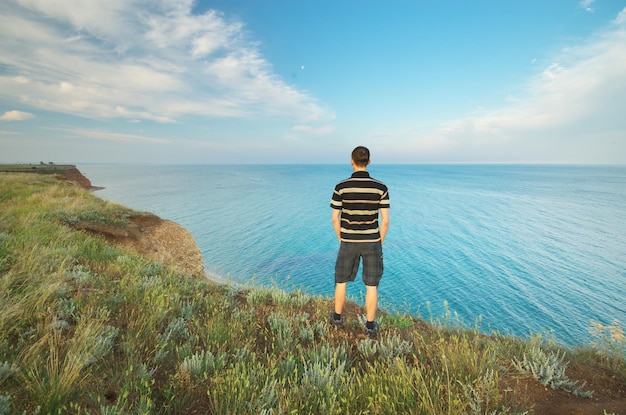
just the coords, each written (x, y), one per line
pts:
(73, 174)
(149, 235)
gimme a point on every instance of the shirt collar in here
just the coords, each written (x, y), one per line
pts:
(360, 174)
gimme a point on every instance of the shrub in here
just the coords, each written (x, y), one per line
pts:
(610, 341)
(549, 370)
(201, 364)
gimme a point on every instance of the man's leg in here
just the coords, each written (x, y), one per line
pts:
(346, 268)
(340, 296)
(371, 301)
(372, 273)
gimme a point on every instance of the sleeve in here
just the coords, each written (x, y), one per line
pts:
(384, 200)
(336, 202)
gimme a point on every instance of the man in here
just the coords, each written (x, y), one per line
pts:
(356, 205)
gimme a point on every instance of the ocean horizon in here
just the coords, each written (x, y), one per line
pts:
(523, 249)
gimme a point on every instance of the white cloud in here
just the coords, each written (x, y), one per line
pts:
(139, 59)
(573, 110)
(15, 116)
(586, 5)
(621, 17)
(112, 136)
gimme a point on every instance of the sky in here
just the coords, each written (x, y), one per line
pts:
(284, 81)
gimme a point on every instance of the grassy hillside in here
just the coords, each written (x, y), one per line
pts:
(87, 328)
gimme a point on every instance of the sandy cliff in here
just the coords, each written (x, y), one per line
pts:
(72, 174)
(161, 240)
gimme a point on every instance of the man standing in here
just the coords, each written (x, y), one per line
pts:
(356, 205)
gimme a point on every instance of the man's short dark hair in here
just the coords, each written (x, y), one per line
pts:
(361, 156)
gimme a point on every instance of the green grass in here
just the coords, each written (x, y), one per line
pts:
(34, 168)
(89, 328)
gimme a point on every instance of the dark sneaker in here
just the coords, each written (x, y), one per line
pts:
(371, 332)
(338, 322)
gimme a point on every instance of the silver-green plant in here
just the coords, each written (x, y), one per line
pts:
(301, 318)
(201, 364)
(300, 299)
(319, 375)
(5, 404)
(267, 400)
(549, 370)
(233, 290)
(609, 340)
(186, 309)
(151, 281)
(320, 327)
(177, 329)
(392, 346)
(5, 371)
(320, 385)
(478, 395)
(367, 348)
(102, 345)
(80, 273)
(287, 368)
(327, 354)
(245, 317)
(307, 334)
(280, 297)
(257, 297)
(58, 324)
(112, 410)
(243, 355)
(281, 326)
(65, 309)
(279, 323)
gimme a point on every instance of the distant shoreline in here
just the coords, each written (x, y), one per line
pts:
(65, 171)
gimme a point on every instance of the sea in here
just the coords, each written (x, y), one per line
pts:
(519, 250)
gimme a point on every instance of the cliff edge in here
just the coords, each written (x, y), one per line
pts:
(158, 239)
(72, 174)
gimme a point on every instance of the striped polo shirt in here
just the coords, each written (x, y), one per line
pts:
(359, 198)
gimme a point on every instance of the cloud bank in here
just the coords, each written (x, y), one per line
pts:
(139, 60)
(572, 111)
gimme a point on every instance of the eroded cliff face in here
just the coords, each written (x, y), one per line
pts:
(161, 240)
(158, 239)
(168, 242)
(72, 174)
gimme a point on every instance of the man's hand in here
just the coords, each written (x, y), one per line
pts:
(384, 224)
(336, 219)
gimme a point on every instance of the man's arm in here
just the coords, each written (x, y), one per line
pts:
(384, 224)
(336, 218)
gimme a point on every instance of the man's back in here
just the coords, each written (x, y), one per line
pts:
(359, 198)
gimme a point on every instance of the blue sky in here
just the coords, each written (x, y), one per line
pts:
(284, 81)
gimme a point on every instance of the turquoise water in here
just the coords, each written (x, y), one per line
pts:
(528, 249)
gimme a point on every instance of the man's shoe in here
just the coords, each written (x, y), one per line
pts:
(371, 332)
(338, 322)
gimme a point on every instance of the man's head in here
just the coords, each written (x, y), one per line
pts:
(361, 156)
